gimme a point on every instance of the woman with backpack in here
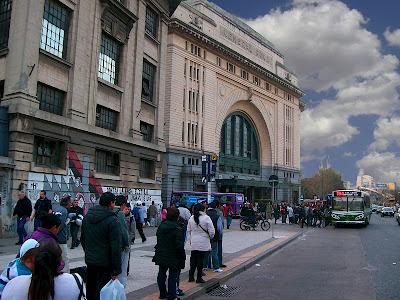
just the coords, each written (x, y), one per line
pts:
(46, 281)
(200, 231)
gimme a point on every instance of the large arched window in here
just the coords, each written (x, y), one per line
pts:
(239, 147)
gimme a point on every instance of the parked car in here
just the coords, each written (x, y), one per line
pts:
(379, 209)
(387, 211)
(374, 207)
(397, 215)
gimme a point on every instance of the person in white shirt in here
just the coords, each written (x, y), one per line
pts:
(46, 282)
(290, 214)
(200, 230)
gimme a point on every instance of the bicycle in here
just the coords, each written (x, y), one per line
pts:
(260, 221)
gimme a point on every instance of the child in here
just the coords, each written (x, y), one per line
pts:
(20, 266)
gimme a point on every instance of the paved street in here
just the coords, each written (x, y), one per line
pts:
(329, 263)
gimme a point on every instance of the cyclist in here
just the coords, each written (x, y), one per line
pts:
(249, 214)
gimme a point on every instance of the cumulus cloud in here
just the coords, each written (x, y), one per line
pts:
(392, 37)
(383, 167)
(348, 154)
(386, 133)
(329, 47)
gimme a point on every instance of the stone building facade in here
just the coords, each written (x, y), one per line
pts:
(82, 88)
(230, 93)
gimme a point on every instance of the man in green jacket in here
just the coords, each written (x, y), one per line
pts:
(101, 241)
(170, 254)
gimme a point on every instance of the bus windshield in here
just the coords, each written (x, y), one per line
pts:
(340, 204)
(354, 204)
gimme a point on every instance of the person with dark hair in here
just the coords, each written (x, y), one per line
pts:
(120, 205)
(23, 211)
(169, 254)
(217, 222)
(48, 232)
(200, 231)
(152, 214)
(46, 281)
(22, 265)
(63, 233)
(101, 242)
(75, 214)
(42, 207)
(139, 213)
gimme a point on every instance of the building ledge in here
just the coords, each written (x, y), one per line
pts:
(6, 162)
(4, 51)
(56, 59)
(107, 84)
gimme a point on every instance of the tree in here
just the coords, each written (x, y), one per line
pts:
(322, 183)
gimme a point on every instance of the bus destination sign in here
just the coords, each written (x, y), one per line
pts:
(347, 194)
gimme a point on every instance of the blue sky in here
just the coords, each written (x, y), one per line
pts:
(353, 49)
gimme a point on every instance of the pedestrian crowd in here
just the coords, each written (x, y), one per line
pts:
(315, 215)
(107, 232)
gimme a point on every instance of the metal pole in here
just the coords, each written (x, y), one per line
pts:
(209, 192)
(273, 203)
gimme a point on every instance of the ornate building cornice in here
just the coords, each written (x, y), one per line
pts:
(177, 25)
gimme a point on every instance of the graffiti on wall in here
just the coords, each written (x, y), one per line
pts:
(79, 183)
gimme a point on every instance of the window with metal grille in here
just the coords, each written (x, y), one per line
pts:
(146, 168)
(148, 80)
(5, 17)
(109, 58)
(55, 25)
(151, 24)
(147, 131)
(47, 152)
(50, 99)
(107, 162)
(106, 118)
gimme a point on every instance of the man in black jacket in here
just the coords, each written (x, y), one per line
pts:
(42, 207)
(23, 211)
(101, 241)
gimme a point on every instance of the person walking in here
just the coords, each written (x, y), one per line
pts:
(139, 215)
(228, 214)
(276, 212)
(23, 211)
(42, 207)
(120, 207)
(22, 265)
(76, 218)
(101, 242)
(216, 219)
(200, 231)
(283, 213)
(145, 214)
(290, 214)
(63, 233)
(310, 216)
(46, 281)
(153, 214)
(170, 254)
(302, 216)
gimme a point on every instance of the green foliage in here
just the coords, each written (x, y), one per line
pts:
(322, 183)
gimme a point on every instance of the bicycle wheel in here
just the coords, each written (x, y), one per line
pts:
(265, 225)
(243, 225)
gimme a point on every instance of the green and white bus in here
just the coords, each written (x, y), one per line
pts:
(351, 207)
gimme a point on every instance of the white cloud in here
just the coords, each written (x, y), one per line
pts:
(386, 133)
(384, 167)
(392, 37)
(329, 47)
(348, 154)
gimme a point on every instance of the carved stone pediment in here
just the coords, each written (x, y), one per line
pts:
(117, 20)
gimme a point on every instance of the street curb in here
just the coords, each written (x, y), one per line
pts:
(225, 276)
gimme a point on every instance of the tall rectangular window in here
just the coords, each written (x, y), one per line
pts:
(5, 17)
(151, 23)
(146, 168)
(106, 118)
(148, 81)
(107, 162)
(230, 67)
(147, 131)
(49, 153)
(109, 58)
(50, 99)
(55, 26)
(244, 74)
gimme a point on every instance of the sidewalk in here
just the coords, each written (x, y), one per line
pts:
(238, 248)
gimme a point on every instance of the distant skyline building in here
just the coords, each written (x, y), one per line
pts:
(364, 180)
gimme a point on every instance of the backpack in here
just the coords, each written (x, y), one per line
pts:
(136, 214)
